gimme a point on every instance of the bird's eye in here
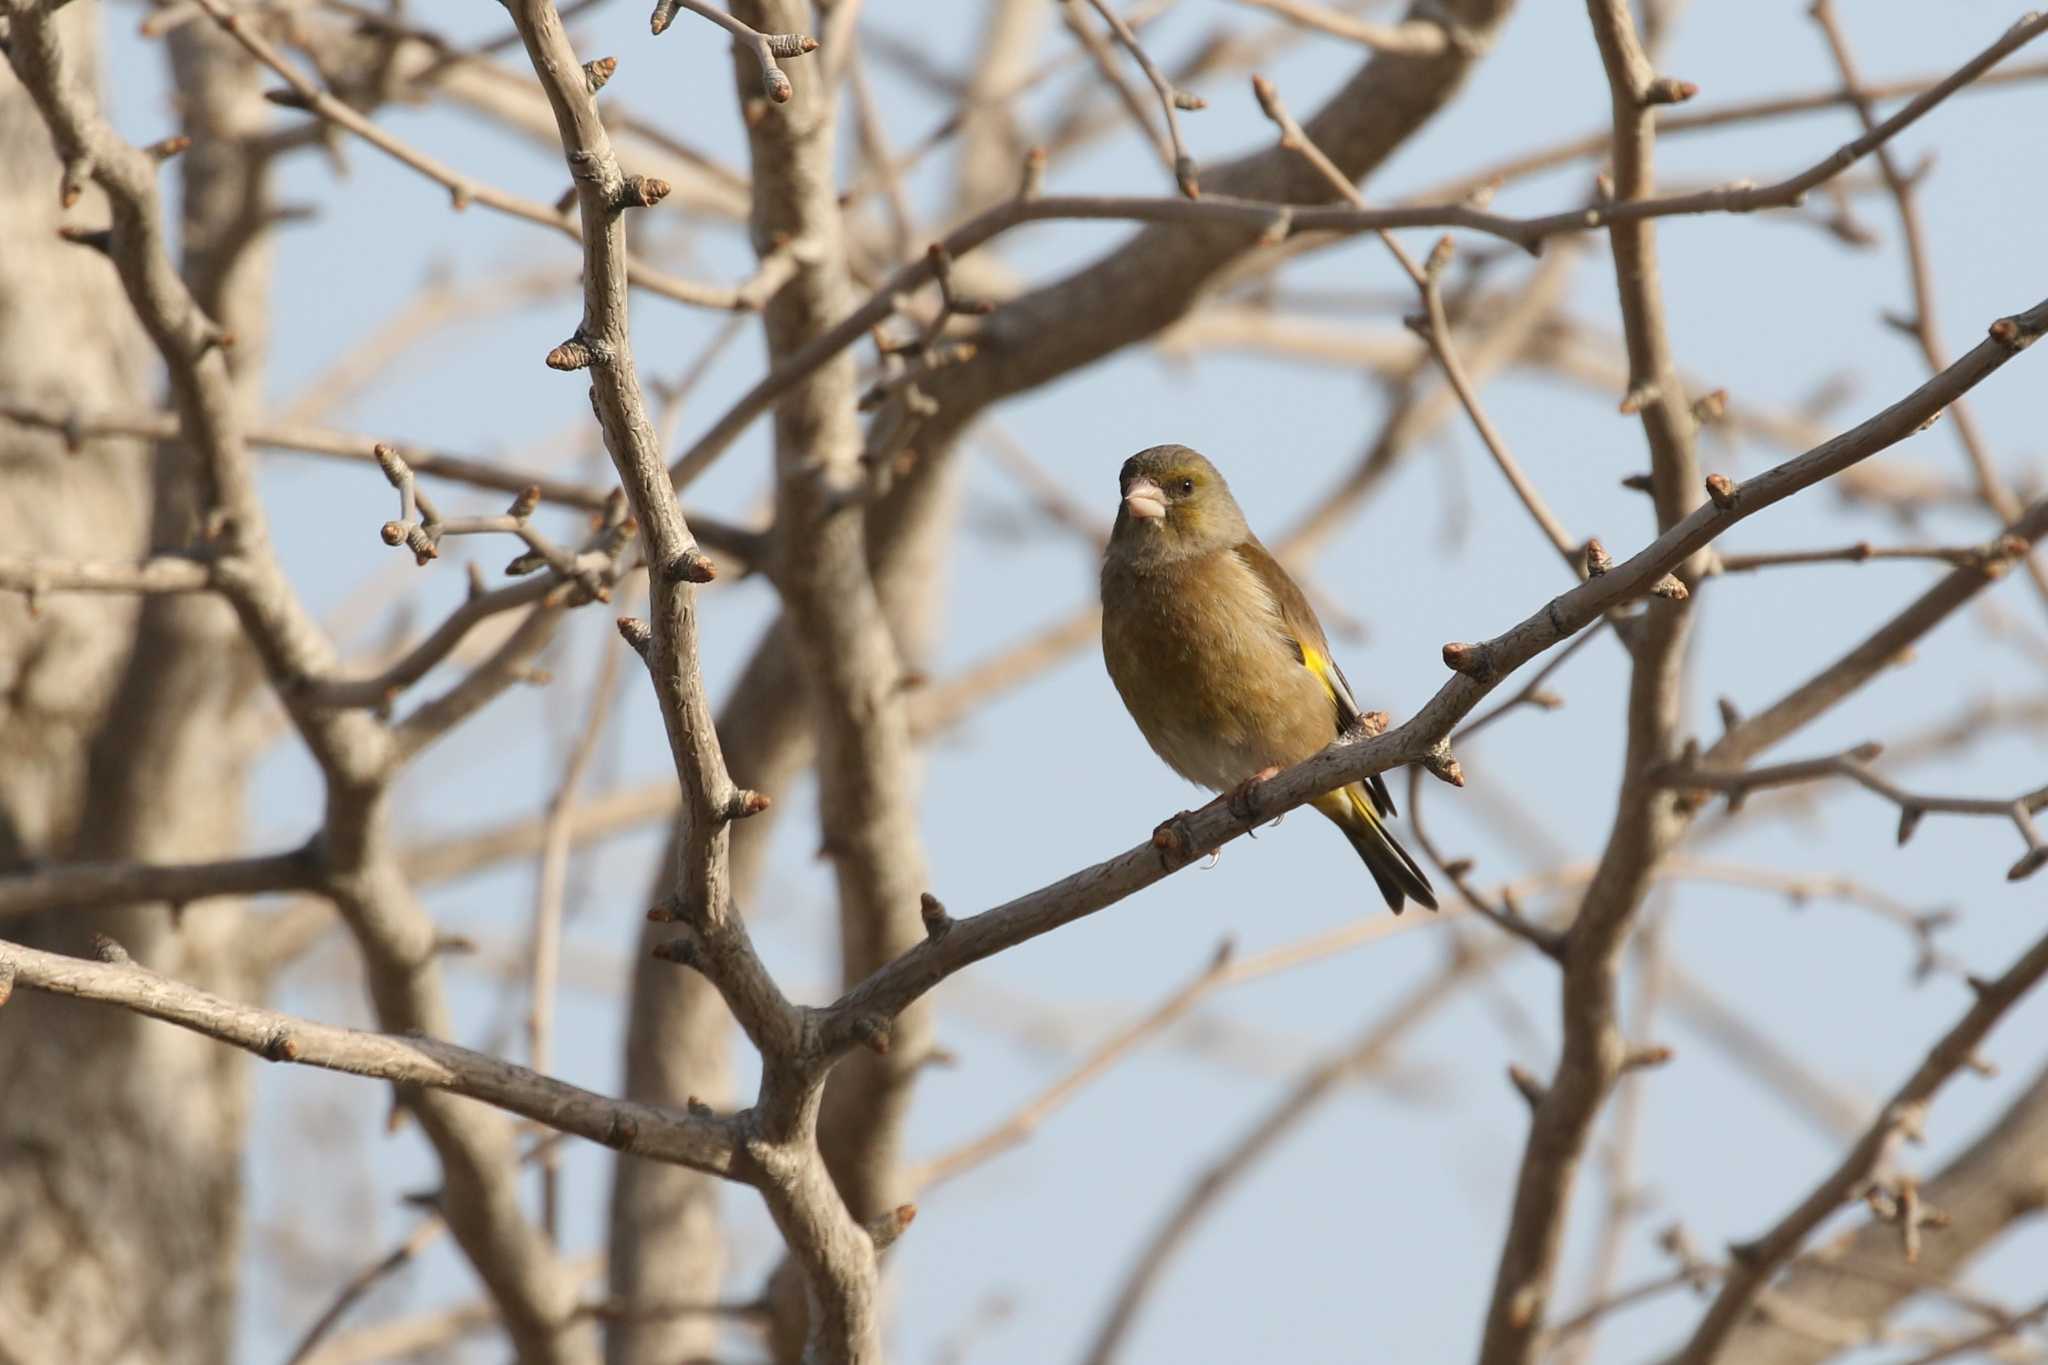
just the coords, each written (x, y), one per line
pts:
(1186, 486)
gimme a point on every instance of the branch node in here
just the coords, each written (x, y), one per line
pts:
(1638, 397)
(1669, 588)
(743, 803)
(1668, 90)
(2030, 862)
(2009, 333)
(1909, 820)
(1439, 258)
(621, 1133)
(871, 1031)
(1909, 1121)
(1645, 1057)
(885, 1230)
(71, 185)
(597, 71)
(636, 633)
(1443, 766)
(107, 950)
(579, 353)
(1526, 1085)
(280, 1046)
(683, 951)
(1598, 561)
(641, 192)
(164, 149)
(691, 566)
(1474, 661)
(1033, 177)
(937, 923)
(1722, 492)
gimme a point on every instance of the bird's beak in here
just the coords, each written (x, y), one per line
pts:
(1144, 501)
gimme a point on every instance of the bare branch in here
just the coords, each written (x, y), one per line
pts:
(1924, 324)
(1433, 326)
(700, 1142)
(765, 47)
(1408, 38)
(93, 886)
(1421, 738)
(742, 545)
(1272, 223)
(1854, 764)
(1756, 1262)
(1171, 100)
(1021, 1124)
(1862, 552)
(165, 573)
(463, 189)
(1367, 1050)
(1646, 826)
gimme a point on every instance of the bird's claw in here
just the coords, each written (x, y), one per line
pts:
(1243, 800)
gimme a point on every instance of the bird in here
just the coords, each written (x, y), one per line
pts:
(1220, 659)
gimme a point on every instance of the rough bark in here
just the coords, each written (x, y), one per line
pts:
(120, 1189)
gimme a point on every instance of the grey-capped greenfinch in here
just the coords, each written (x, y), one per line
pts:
(1220, 658)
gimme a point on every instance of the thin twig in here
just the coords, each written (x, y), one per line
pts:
(765, 47)
(549, 904)
(1025, 1120)
(1281, 222)
(1408, 38)
(1754, 1263)
(1171, 99)
(699, 1141)
(1924, 324)
(1368, 1050)
(1854, 764)
(464, 189)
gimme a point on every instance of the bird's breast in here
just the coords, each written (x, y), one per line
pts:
(1198, 652)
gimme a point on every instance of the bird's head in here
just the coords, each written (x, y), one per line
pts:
(1174, 504)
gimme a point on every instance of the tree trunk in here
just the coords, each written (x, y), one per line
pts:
(124, 734)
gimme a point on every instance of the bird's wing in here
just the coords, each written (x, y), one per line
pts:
(1305, 633)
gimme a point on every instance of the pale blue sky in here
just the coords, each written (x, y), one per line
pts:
(1372, 1235)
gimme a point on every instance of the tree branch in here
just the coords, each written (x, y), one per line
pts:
(700, 1142)
(1756, 1262)
(955, 944)
(1854, 764)
(464, 190)
(97, 886)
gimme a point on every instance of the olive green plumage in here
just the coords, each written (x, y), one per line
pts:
(1219, 657)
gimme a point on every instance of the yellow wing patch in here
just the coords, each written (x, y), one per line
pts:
(1320, 664)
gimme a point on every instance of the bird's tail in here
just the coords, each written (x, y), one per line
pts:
(1399, 879)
